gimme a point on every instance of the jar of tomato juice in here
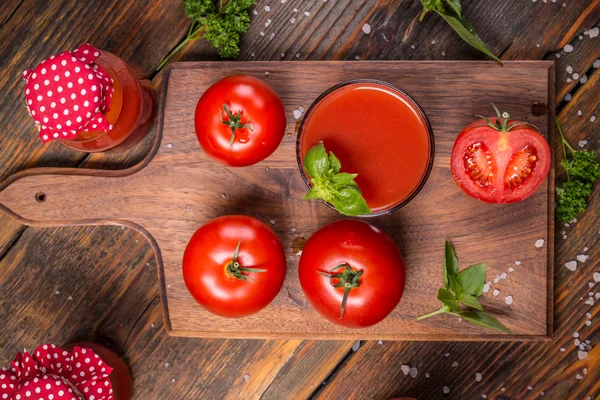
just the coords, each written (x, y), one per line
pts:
(89, 100)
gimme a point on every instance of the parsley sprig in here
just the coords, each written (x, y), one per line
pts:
(222, 23)
(332, 186)
(583, 170)
(464, 287)
(451, 11)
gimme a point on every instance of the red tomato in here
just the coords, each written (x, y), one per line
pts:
(240, 120)
(234, 266)
(501, 164)
(352, 259)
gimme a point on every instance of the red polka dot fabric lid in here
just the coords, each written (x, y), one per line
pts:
(51, 373)
(68, 93)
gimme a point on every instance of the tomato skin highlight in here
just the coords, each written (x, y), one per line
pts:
(365, 248)
(510, 153)
(211, 249)
(260, 108)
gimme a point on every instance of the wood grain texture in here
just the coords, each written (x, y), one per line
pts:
(338, 35)
(188, 189)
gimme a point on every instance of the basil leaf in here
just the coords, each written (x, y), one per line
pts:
(455, 285)
(456, 6)
(316, 162)
(446, 297)
(484, 319)
(349, 201)
(343, 179)
(450, 264)
(470, 301)
(334, 163)
(312, 194)
(466, 31)
(472, 279)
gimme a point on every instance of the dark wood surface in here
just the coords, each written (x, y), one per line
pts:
(110, 273)
(190, 189)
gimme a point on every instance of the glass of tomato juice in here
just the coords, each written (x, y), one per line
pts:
(377, 131)
(131, 111)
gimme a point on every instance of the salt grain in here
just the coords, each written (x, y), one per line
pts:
(569, 69)
(446, 390)
(578, 376)
(510, 269)
(70, 298)
(582, 143)
(576, 342)
(582, 258)
(539, 243)
(583, 79)
(503, 276)
(297, 114)
(356, 346)
(447, 355)
(267, 8)
(454, 364)
(568, 97)
(588, 323)
(427, 375)
(517, 262)
(413, 372)
(246, 377)
(562, 349)
(307, 13)
(529, 388)
(292, 20)
(486, 288)
(166, 365)
(173, 380)
(597, 64)
(508, 300)
(593, 119)
(593, 32)
(596, 276)
(405, 369)
(571, 265)
(590, 300)
(568, 48)
(366, 29)
(478, 377)
(496, 292)
(272, 222)
(379, 342)
(170, 146)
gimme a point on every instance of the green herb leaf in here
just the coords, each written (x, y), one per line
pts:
(332, 186)
(446, 297)
(470, 301)
(472, 279)
(466, 31)
(316, 161)
(583, 170)
(343, 179)
(450, 264)
(484, 319)
(349, 201)
(456, 6)
(455, 285)
(463, 287)
(335, 164)
(221, 23)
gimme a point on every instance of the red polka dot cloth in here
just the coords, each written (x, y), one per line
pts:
(67, 93)
(51, 373)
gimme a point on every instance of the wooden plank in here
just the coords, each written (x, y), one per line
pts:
(124, 199)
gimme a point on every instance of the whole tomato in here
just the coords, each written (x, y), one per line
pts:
(504, 161)
(240, 120)
(352, 273)
(234, 266)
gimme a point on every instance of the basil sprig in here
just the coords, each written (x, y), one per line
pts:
(451, 11)
(332, 186)
(464, 287)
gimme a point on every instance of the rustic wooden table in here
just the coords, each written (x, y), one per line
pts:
(64, 284)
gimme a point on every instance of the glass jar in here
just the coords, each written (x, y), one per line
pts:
(120, 377)
(131, 110)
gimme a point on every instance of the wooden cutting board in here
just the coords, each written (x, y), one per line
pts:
(177, 188)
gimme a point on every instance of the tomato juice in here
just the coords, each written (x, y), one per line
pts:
(376, 131)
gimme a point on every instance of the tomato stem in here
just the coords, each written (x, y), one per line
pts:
(235, 270)
(234, 122)
(503, 121)
(348, 279)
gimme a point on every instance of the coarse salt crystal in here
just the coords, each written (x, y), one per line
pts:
(568, 97)
(582, 258)
(267, 8)
(578, 376)
(582, 354)
(413, 372)
(379, 342)
(427, 375)
(575, 334)
(517, 262)
(597, 64)
(576, 342)
(366, 29)
(307, 13)
(571, 265)
(593, 119)
(539, 243)
(297, 114)
(582, 143)
(496, 292)
(503, 276)
(454, 364)
(590, 301)
(446, 390)
(529, 388)
(510, 269)
(568, 48)
(575, 76)
(486, 288)
(478, 377)
(356, 346)
(596, 276)
(562, 349)
(569, 69)
(508, 300)
(246, 377)
(405, 369)
(583, 79)
(272, 222)
(593, 32)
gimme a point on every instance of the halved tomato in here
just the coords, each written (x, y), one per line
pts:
(501, 162)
